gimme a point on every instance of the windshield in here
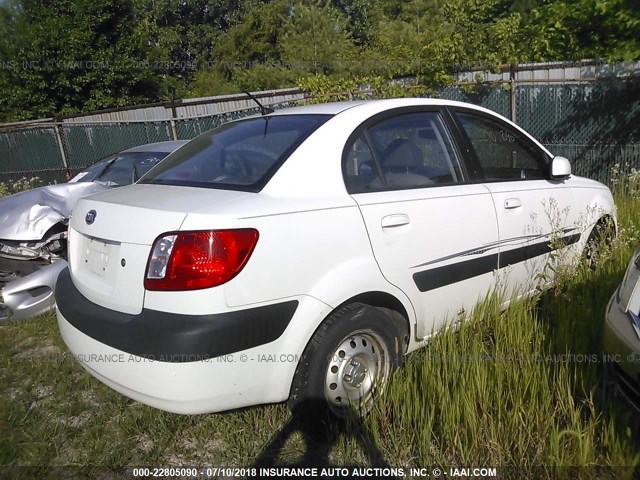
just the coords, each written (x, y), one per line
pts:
(120, 169)
(240, 155)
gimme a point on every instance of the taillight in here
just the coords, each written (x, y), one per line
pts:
(194, 260)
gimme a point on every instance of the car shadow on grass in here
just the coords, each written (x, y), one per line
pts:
(320, 432)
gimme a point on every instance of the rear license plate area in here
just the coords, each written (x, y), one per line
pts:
(99, 255)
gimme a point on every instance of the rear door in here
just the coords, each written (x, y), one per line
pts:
(535, 213)
(433, 234)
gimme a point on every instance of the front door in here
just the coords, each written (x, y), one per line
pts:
(535, 219)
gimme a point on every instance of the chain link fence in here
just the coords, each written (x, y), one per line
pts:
(596, 124)
(493, 97)
(84, 144)
(33, 151)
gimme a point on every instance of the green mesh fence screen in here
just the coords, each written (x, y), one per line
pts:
(491, 97)
(596, 125)
(191, 127)
(85, 144)
(30, 152)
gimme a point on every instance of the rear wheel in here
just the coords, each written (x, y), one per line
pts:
(349, 360)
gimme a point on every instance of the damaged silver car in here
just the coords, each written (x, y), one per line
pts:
(33, 227)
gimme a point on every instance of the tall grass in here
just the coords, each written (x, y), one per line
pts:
(521, 387)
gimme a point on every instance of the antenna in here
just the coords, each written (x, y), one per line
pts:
(264, 110)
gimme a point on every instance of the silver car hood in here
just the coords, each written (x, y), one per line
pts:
(28, 215)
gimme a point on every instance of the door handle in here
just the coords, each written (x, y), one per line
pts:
(510, 203)
(395, 220)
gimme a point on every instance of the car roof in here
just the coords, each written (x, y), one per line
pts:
(157, 147)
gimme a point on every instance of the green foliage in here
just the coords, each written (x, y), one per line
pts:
(68, 56)
(315, 39)
(475, 33)
(574, 29)
(21, 185)
(65, 56)
(209, 82)
(246, 55)
(323, 88)
(362, 17)
(254, 38)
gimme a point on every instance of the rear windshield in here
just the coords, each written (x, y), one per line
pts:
(240, 155)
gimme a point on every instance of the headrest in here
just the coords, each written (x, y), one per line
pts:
(402, 152)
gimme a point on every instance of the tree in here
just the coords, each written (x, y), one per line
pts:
(181, 35)
(362, 16)
(575, 29)
(255, 37)
(69, 55)
(277, 42)
(316, 39)
(62, 57)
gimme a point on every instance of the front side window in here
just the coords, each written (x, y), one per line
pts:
(239, 155)
(502, 152)
(407, 151)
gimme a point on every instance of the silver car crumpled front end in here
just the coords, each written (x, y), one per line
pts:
(28, 273)
(32, 294)
(48, 249)
(33, 239)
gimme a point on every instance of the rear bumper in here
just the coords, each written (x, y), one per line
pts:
(171, 337)
(253, 375)
(212, 385)
(621, 341)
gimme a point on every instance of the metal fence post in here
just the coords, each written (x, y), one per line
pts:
(56, 128)
(514, 97)
(172, 120)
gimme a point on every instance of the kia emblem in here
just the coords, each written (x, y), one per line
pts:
(90, 217)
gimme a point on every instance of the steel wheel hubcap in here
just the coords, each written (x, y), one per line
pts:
(358, 366)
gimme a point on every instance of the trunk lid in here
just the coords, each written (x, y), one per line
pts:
(111, 234)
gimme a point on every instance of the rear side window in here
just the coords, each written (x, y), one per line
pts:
(360, 167)
(239, 155)
(406, 151)
(503, 153)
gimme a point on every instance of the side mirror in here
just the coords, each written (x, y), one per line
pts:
(560, 168)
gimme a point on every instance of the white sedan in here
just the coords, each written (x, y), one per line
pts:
(300, 255)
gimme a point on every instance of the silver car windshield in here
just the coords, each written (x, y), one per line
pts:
(120, 169)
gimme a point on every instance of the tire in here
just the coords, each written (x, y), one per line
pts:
(348, 360)
(601, 236)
